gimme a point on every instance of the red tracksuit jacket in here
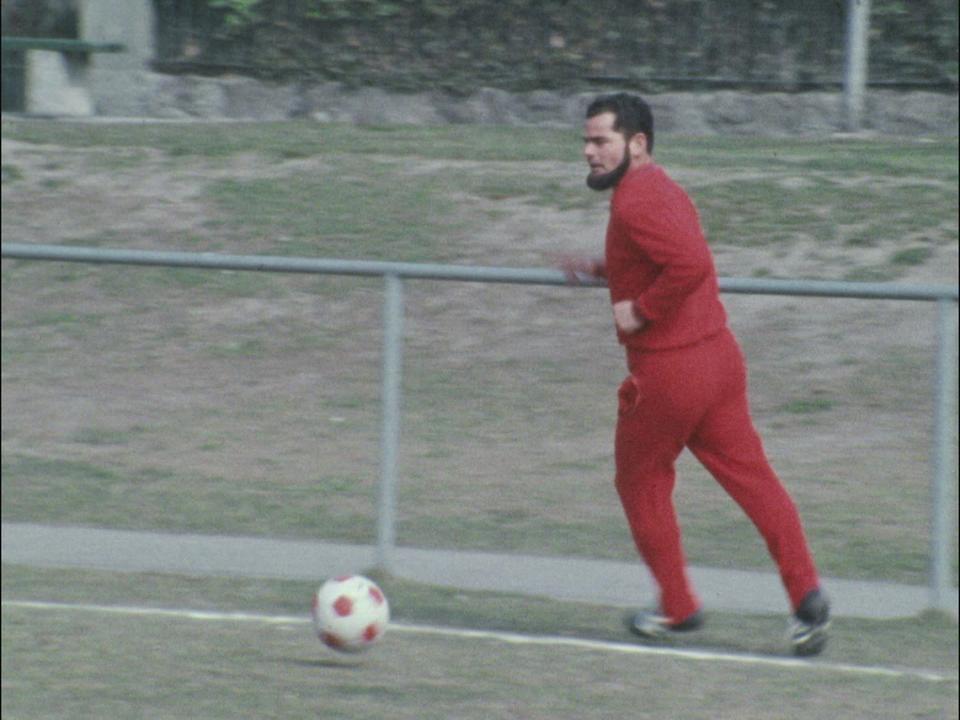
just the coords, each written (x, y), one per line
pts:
(657, 256)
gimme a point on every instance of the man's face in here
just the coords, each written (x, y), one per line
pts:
(606, 152)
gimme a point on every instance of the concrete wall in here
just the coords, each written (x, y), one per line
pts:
(706, 113)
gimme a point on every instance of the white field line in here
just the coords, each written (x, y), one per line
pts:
(505, 637)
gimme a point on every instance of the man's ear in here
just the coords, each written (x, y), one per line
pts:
(638, 145)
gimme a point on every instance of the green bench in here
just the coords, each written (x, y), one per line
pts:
(75, 52)
(59, 45)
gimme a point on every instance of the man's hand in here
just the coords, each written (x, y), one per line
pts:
(578, 268)
(625, 318)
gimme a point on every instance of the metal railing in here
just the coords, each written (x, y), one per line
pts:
(944, 462)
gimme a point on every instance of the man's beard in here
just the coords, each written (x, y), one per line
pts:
(605, 181)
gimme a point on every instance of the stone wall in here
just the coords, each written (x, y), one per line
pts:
(724, 112)
(125, 85)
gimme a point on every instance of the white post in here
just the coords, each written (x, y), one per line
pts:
(390, 435)
(120, 84)
(53, 86)
(129, 22)
(943, 531)
(855, 72)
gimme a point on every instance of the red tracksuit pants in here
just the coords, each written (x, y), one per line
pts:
(696, 397)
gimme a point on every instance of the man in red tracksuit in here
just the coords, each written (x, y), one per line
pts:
(687, 386)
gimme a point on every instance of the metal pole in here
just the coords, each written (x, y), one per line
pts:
(944, 459)
(855, 70)
(461, 273)
(390, 434)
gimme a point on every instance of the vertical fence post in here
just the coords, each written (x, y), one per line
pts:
(944, 459)
(390, 432)
(855, 69)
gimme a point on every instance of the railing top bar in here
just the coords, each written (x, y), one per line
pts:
(831, 288)
(429, 271)
(267, 263)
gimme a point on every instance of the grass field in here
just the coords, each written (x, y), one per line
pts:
(245, 403)
(173, 666)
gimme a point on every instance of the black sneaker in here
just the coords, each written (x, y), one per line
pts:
(808, 628)
(652, 625)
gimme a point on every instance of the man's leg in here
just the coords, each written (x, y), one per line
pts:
(646, 450)
(729, 446)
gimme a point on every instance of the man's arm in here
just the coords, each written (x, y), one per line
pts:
(578, 269)
(673, 239)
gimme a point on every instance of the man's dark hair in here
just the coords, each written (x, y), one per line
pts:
(631, 113)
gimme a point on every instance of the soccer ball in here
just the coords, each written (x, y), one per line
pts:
(350, 613)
